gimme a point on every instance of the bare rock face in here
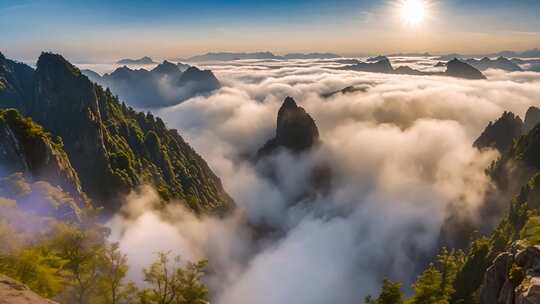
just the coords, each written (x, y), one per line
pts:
(531, 295)
(495, 279)
(13, 292)
(514, 278)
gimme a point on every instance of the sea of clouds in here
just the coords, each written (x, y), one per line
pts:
(401, 156)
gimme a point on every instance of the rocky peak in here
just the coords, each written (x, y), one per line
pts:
(501, 133)
(67, 104)
(121, 71)
(166, 68)
(296, 130)
(532, 118)
(457, 68)
(66, 100)
(383, 66)
(201, 80)
(377, 58)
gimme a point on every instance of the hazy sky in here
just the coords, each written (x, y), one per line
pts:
(106, 30)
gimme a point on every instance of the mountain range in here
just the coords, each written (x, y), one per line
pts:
(381, 64)
(165, 85)
(532, 53)
(79, 136)
(228, 56)
(500, 63)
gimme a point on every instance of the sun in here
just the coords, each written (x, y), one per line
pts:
(413, 12)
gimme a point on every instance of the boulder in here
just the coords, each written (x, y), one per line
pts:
(14, 292)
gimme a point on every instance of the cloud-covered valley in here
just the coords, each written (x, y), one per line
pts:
(400, 151)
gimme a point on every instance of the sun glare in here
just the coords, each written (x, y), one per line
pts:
(413, 12)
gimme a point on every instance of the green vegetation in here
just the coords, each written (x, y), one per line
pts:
(435, 285)
(530, 234)
(174, 284)
(72, 262)
(43, 153)
(143, 150)
(112, 147)
(457, 277)
(390, 294)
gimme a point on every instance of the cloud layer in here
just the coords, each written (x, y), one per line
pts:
(401, 156)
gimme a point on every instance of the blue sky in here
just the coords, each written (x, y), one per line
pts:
(105, 30)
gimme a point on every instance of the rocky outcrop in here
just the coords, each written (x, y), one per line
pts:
(14, 292)
(513, 278)
(532, 118)
(500, 134)
(298, 135)
(296, 131)
(495, 288)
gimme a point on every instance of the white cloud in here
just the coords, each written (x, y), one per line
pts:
(401, 154)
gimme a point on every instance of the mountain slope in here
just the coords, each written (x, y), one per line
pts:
(501, 133)
(112, 147)
(25, 147)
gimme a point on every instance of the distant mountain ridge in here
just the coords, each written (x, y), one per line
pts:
(381, 64)
(140, 61)
(230, 56)
(532, 53)
(112, 147)
(165, 85)
(501, 63)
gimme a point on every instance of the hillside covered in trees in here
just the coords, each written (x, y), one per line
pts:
(112, 147)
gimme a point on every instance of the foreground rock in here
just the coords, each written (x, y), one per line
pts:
(514, 278)
(13, 292)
